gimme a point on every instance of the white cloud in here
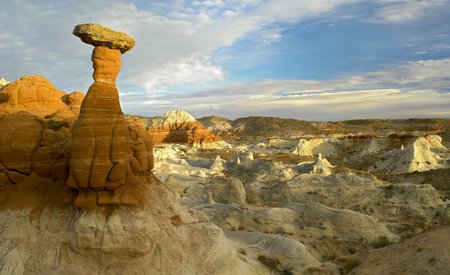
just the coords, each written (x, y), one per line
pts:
(191, 70)
(414, 89)
(177, 33)
(402, 11)
(271, 34)
(173, 43)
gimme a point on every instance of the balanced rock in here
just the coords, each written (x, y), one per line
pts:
(97, 35)
(108, 155)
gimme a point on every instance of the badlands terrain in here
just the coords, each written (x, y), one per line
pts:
(279, 196)
(85, 189)
(364, 196)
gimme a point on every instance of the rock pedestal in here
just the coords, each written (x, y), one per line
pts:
(104, 159)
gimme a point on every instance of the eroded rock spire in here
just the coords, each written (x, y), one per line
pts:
(107, 153)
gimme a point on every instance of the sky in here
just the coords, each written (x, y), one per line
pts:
(312, 60)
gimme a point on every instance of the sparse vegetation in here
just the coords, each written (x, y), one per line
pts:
(350, 264)
(242, 250)
(381, 242)
(329, 256)
(351, 250)
(432, 260)
(274, 264)
(269, 262)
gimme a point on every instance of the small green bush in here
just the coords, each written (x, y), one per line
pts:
(269, 262)
(329, 256)
(350, 264)
(381, 242)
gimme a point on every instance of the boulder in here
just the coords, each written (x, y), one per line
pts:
(97, 35)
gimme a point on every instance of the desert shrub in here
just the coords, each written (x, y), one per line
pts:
(243, 251)
(350, 264)
(329, 256)
(381, 242)
(275, 265)
(269, 262)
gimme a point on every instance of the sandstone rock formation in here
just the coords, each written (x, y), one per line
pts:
(37, 95)
(320, 167)
(97, 35)
(107, 154)
(417, 156)
(181, 127)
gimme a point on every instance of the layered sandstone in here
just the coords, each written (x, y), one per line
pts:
(29, 148)
(108, 156)
(181, 127)
(37, 95)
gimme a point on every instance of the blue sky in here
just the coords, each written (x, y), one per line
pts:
(314, 60)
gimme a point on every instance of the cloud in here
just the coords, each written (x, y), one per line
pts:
(402, 11)
(175, 40)
(413, 89)
(177, 35)
(271, 34)
(190, 70)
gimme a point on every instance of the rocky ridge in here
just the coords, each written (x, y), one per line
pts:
(326, 208)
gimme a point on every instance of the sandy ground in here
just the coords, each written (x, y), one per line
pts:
(427, 253)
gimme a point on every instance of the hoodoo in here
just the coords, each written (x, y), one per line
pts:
(105, 158)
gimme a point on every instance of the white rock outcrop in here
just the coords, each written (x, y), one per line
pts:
(50, 236)
(176, 117)
(417, 156)
(3, 82)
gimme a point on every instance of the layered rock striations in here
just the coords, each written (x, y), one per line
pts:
(37, 95)
(106, 161)
(181, 127)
